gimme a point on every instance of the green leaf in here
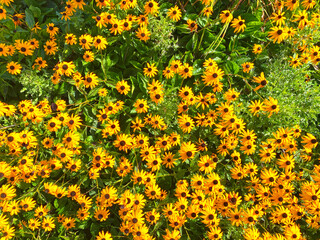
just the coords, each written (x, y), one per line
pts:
(36, 11)
(136, 64)
(232, 67)
(191, 45)
(197, 67)
(29, 18)
(55, 203)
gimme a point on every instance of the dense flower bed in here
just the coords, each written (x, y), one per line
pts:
(159, 119)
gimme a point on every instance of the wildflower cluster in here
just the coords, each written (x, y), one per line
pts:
(128, 144)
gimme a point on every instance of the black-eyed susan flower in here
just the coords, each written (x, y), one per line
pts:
(278, 18)
(91, 80)
(65, 15)
(88, 56)
(292, 232)
(23, 47)
(34, 223)
(173, 234)
(143, 20)
(226, 16)
(52, 30)
(78, 4)
(295, 61)
(174, 13)
(36, 27)
(123, 87)
(157, 97)
(150, 70)
(168, 160)
(102, 3)
(310, 141)
(257, 49)
(186, 93)
(127, 25)
(104, 236)
(113, 127)
(100, 42)
(3, 49)
(124, 4)
(271, 106)
(48, 224)
(168, 73)
(102, 92)
(247, 66)
(151, 7)
(308, 4)
(17, 19)
(50, 47)
(74, 122)
(155, 87)
(153, 191)
(252, 233)
(53, 125)
(7, 232)
(137, 124)
(212, 76)
(238, 24)
(123, 142)
(103, 115)
(291, 4)
(143, 33)
(101, 214)
(7, 192)
(71, 139)
(255, 107)
(108, 17)
(141, 106)
(231, 95)
(69, 223)
(261, 80)
(27, 204)
(186, 123)
(192, 25)
(187, 150)
(207, 11)
(100, 21)
(40, 62)
(70, 39)
(186, 71)
(3, 13)
(66, 68)
(175, 66)
(210, 63)
(302, 18)
(14, 68)
(85, 41)
(117, 27)
(277, 34)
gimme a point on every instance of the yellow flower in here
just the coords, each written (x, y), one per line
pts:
(174, 13)
(14, 68)
(123, 87)
(247, 66)
(150, 70)
(226, 16)
(238, 24)
(143, 33)
(278, 34)
(257, 49)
